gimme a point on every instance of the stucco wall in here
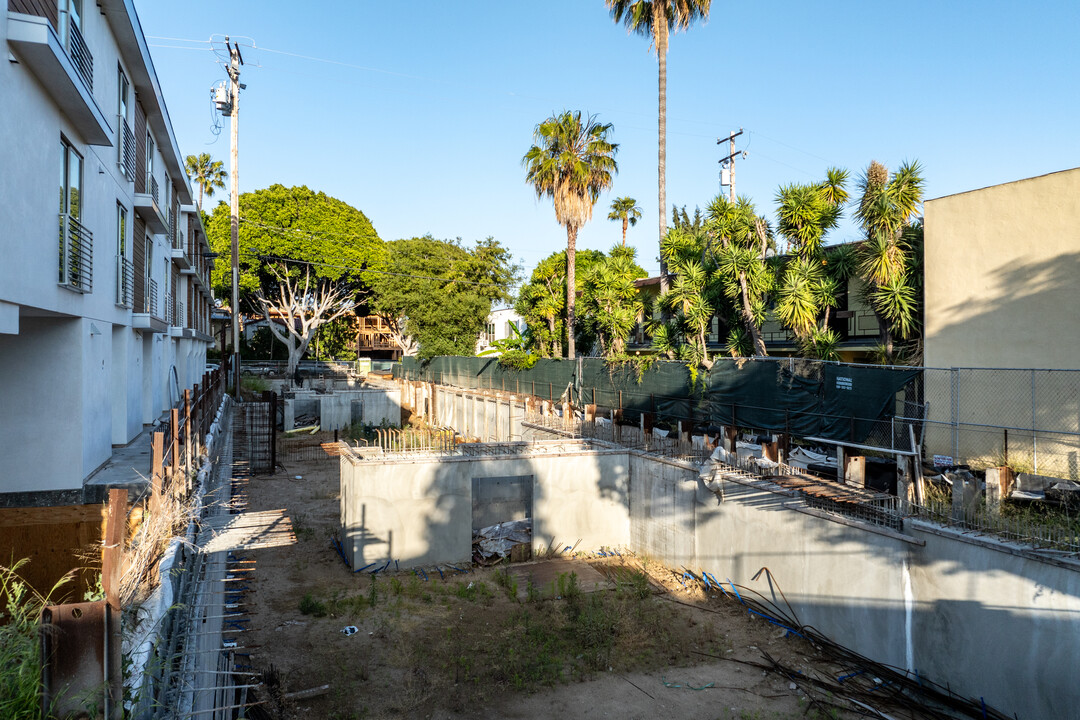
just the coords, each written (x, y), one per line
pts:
(41, 444)
(1001, 269)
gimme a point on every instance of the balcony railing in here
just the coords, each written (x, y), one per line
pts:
(154, 189)
(151, 299)
(178, 313)
(170, 227)
(125, 280)
(81, 56)
(76, 255)
(125, 148)
(375, 341)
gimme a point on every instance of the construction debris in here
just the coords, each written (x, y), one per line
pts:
(499, 541)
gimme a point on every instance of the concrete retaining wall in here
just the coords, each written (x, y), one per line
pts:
(990, 619)
(342, 408)
(420, 511)
(973, 613)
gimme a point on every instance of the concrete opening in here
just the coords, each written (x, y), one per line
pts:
(502, 518)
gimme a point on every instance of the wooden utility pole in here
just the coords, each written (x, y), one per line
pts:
(235, 61)
(728, 164)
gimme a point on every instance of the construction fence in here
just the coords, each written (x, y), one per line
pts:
(981, 417)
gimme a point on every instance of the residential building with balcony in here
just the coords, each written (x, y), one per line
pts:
(104, 295)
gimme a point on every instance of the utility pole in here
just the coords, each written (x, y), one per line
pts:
(235, 61)
(727, 165)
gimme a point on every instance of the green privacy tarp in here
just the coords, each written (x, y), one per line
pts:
(858, 401)
(547, 379)
(803, 397)
(778, 395)
(661, 388)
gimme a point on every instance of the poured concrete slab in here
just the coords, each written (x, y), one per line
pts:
(544, 574)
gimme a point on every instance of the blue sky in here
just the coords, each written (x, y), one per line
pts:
(418, 113)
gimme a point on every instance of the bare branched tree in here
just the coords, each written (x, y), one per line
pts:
(305, 304)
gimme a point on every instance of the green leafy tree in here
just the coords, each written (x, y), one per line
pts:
(656, 19)
(208, 174)
(740, 241)
(626, 211)
(889, 211)
(572, 162)
(303, 259)
(612, 305)
(541, 302)
(436, 295)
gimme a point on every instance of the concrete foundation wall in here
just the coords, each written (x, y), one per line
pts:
(419, 512)
(341, 408)
(968, 612)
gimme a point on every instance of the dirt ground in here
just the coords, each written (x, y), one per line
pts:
(488, 643)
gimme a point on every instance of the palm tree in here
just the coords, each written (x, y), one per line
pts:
(207, 173)
(627, 210)
(572, 162)
(655, 19)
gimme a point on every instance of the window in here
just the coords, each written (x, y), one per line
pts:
(150, 166)
(121, 230)
(123, 88)
(148, 264)
(70, 15)
(70, 182)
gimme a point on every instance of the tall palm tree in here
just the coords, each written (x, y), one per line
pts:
(207, 173)
(625, 209)
(572, 162)
(655, 19)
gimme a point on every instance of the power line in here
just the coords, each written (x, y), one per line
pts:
(277, 258)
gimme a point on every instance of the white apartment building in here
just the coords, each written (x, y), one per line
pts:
(104, 296)
(498, 327)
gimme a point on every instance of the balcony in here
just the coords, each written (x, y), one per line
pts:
(177, 322)
(147, 317)
(125, 274)
(367, 341)
(146, 207)
(125, 148)
(66, 73)
(76, 255)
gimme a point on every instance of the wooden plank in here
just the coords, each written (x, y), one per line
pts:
(112, 553)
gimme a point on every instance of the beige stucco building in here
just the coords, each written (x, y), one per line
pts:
(1003, 275)
(1002, 290)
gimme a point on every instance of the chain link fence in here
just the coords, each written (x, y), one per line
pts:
(985, 417)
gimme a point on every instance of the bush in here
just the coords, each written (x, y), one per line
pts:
(310, 606)
(20, 652)
(517, 360)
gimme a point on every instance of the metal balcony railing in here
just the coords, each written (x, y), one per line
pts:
(151, 298)
(125, 148)
(178, 313)
(80, 55)
(170, 227)
(76, 255)
(154, 189)
(125, 281)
